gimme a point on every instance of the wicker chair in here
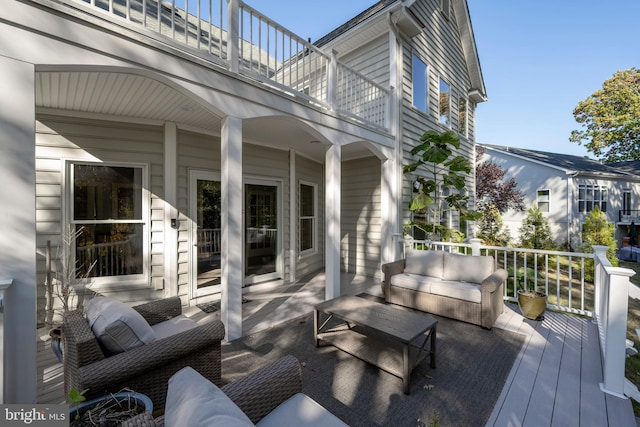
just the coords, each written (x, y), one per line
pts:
(145, 369)
(256, 394)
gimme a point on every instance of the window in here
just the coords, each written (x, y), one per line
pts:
(307, 214)
(590, 196)
(462, 116)
(445, 7)
(420, 84)
(108, 214)
(543, 200)
(444, 103)
(626, 201)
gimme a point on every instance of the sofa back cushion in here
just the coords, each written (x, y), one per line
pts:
(425, 263)
(117, 326)
(467, 268)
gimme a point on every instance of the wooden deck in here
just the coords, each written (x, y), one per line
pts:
(554, 380)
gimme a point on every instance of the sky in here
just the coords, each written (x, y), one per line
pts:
(539, 58)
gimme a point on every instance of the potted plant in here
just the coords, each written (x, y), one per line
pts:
(106, 411)
(532, 303)
(66, 283)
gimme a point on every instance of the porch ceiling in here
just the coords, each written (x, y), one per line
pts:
(128, 95)
(120, 94)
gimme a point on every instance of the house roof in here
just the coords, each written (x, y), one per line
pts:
(477, 92)
(572, 164)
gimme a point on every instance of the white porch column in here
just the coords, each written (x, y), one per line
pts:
(333, 159)
(232, 264)
(170, 281)
(293, 214)
(18, 228)
(389, 210)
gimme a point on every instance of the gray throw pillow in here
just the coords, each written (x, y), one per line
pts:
(117, 326)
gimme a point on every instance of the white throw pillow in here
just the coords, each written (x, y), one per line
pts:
(117, 326)
(194, 401)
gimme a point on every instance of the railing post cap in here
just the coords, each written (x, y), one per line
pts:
(600, 249)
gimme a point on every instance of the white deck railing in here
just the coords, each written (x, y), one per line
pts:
(562, 276)
(580, 283)
(209, 242)
(613, 289)
(107, 259)
(254, 45)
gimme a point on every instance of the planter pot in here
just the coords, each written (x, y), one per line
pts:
(532, 304)
(126, 398)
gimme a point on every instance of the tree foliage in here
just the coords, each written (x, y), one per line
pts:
(598, 231)
(493, 190)
(535, 232)
(438, 168)
(490, 228)
(611, 118)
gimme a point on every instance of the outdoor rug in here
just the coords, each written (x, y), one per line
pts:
(472, 365)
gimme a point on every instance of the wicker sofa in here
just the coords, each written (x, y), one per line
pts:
(89, 365)
(462, 287)
(269, 397)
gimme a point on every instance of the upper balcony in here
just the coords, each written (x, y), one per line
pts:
(626, 217)
(237, 38)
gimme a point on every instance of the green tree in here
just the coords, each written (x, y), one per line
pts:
(490, 228)
(598, 231)
(535, 232)
(611, 117)
(442, 170)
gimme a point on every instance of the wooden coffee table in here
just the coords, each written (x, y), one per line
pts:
(391, 338)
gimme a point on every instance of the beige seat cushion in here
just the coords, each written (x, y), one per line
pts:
(300, 410)
(415, 282)
(465, 291)
(173, 326)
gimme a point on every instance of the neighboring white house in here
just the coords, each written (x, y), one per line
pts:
(206, 150)
(566, 188)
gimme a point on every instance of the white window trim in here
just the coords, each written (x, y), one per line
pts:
(314, 248)
(601, 200)
(548, 199)
(113, 282)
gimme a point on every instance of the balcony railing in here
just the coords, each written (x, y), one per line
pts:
(579, 283)
(628, 216)
(235, 36)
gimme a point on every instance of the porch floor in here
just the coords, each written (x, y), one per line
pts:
(553, 382)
